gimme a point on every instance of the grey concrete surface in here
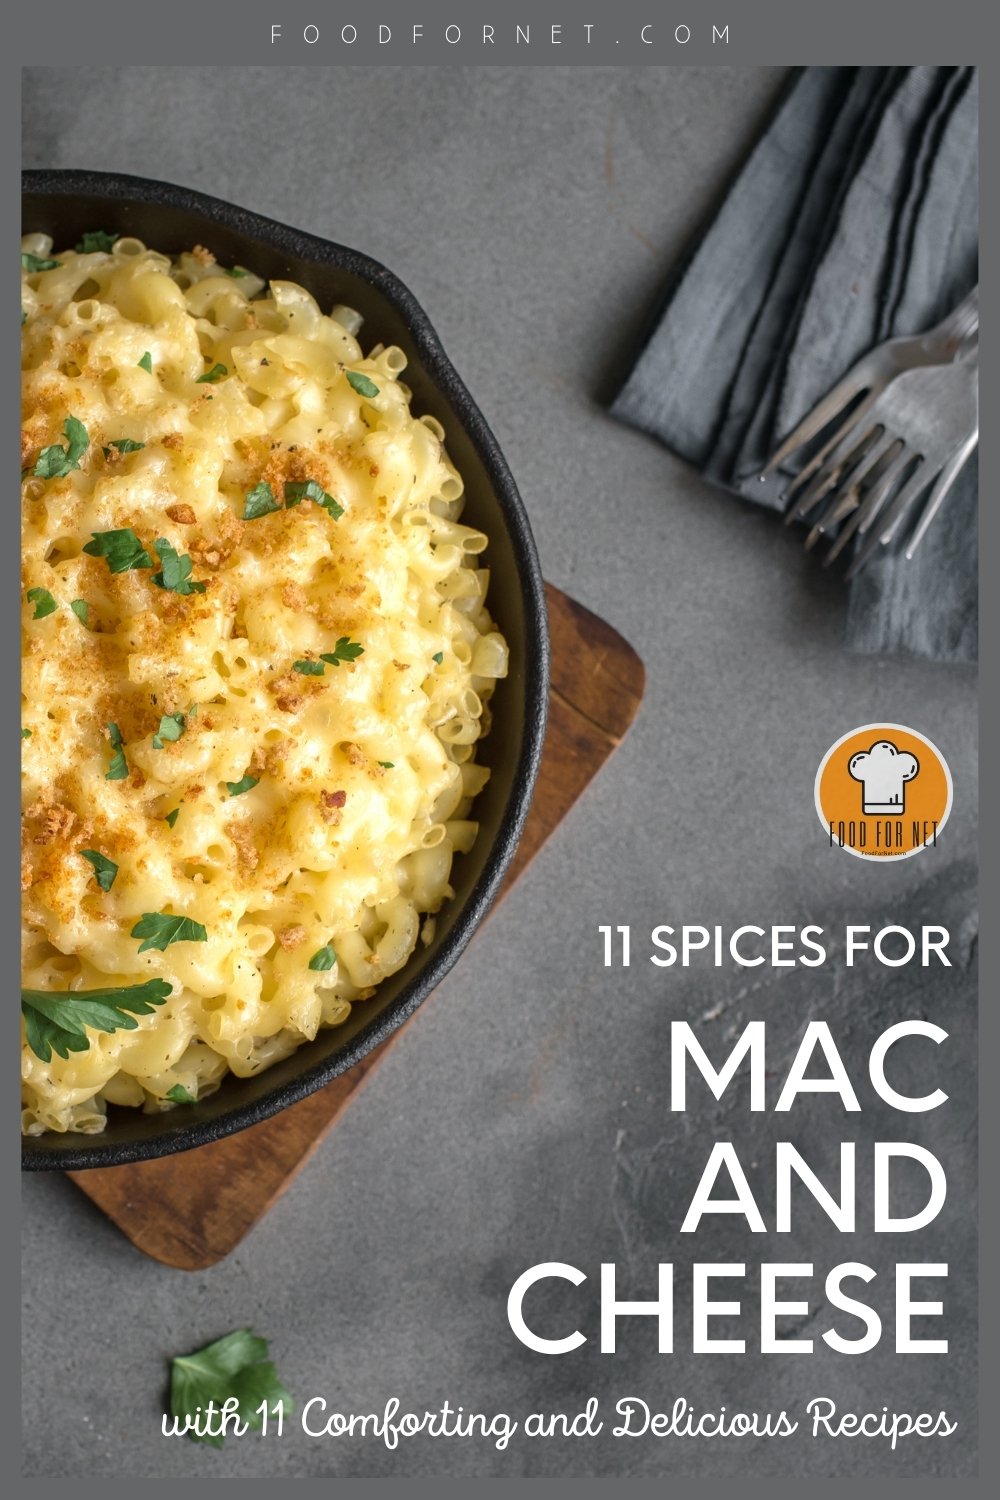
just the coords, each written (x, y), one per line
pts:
(525, 1115)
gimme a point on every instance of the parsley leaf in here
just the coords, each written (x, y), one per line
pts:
(309, 668)
(124, 445)
(245, 784)
(96, 239)
(43, 602)
(438, 657)
(237, 272)
(260, 501)
(26, 734)
(57, 1022)
(175, 573)
(180, 1095)
(236, 1365)
(361, 383)
(55, 462)
(216, 373)
(81, 609)
(310, 489)
(161, 928)
(171, 728)
(121, 549)
(387, 765)
(118, 769)
(323, 958)
(146, 363)
(171, 817)
(33, 263)
(345, 650)
(105, 869)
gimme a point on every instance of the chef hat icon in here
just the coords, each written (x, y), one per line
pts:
(883, 771)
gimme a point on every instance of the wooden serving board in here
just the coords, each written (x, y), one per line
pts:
(190, 1210)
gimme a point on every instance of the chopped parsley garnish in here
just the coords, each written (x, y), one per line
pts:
(118, 769)
(171, 728)
(175, 572)
(43, 602)
(180, 1095)
(124, 445)
(160, 929)
(245, 784)
(438, 657)
(323, 958)
(387, 765)
(146, 363)
(217, 372)
(58, 1022)
(171, 817)
(362, 384)
(81, 609)
(105, 869)
(344, 650)
(234, 1366)
(236, 272)
(309, 668)
(96, 239)
(121, 550)
(26, 734)
(55, 462)
(33, 263)
(260, 501)
(296, 491)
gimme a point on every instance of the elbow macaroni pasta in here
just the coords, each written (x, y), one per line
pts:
(363, 772)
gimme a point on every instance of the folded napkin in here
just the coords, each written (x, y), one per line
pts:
(854, 219)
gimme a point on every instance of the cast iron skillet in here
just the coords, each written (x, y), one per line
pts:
(65, 204)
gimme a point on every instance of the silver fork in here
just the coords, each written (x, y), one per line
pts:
(868, 377)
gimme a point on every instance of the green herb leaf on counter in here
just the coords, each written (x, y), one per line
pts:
(96, 239)
(438, 657)
(216, 373)
(43, 602)
(323, 958)
(362, 384)
(171, 728)
(124, 445)
(387, 765)
(180, 1095)
(309, 489)
(344, 650)
(58, 1021)
(81, 609)
(309, 668)
(146, 363)
(175, 571)
(234, 1366)
(121, 550)
(260, 501)
(32, 263)
(105, 869)
(171, 817)
(55, 462)
(118, 769)
(160, 929)
(245, 784)
(26, 734)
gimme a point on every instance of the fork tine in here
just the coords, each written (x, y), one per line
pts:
(889, 518)
(949, 474)
(854, 383)
(873, 501)
(837, 470)
(846, 494)
(830, 451)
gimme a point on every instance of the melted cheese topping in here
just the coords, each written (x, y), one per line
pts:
(364, 771)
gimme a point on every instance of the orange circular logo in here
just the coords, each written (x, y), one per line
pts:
(883, 792)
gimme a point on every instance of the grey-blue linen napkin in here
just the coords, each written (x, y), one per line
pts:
(854, 219)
